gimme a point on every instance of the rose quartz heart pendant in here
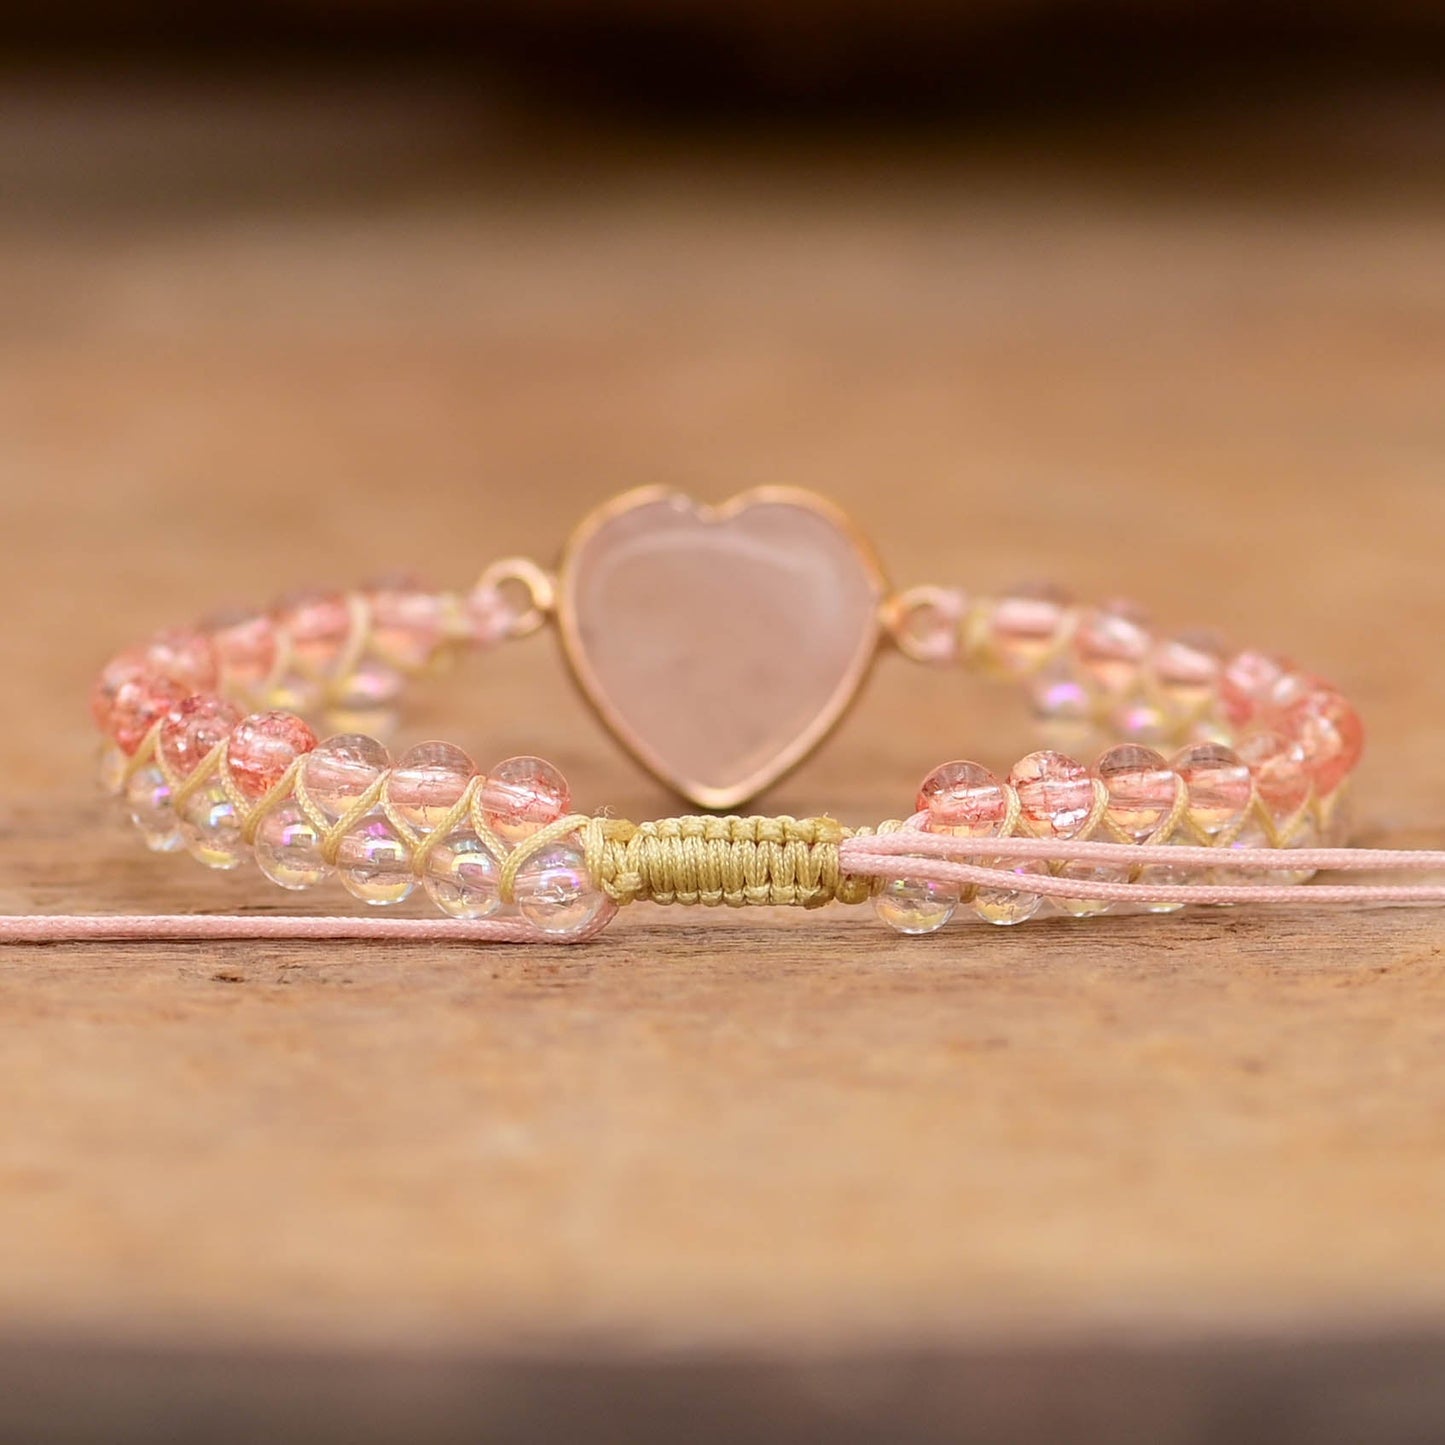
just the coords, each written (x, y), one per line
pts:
(721, 644)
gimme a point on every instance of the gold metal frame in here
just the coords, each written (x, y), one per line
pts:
(849, 684)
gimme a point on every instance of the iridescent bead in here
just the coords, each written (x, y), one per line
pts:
(1331, 734)
(263, 747)
(522, 795)
(1183, 674)
(1056, 793)
(210, 829)
(1141, 719)
(407, 622)
(110, 769)
(555, 893)
(1280, 771)
(288, 848)
(245, 644)
(964, 799)
(915, 905)
(1142, 789)
(318, 626)
(340, 770)
(1005, 907)
(1024, 627)
(428, 782)
(372, 683)
(1246, 680)
(1059, 696)
(462, 874)
(148, 796)
(193, 730)
(1219, 785)
(374, 862)
(1110, 646)
(140, 703)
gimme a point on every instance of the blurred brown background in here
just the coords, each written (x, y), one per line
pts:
(1145, 298)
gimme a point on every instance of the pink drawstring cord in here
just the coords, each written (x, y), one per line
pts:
(942, 858)
(194, 927)
(910, 853)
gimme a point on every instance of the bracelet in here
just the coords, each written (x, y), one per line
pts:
(207, 743)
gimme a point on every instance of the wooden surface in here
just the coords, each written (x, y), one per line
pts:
(245, 348)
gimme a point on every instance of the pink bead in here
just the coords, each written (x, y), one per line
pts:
(428, 782)
(185, 656)
(1056, 793)
(964, 799)
(1331, 734)
(1219, 783)
(139, 704)
(318, 625)
(1279, 769)
(194, 729)
(1184, 672)
(522, 795)
(407, 622)
(129, 667)
(245, 644)
(1142, 788)
(1246, 681)
(263, 747)
(488, 616)
(339, 771)
(1025, 627)
(1110, 646)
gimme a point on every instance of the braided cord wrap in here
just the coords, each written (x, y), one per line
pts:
(732, 861)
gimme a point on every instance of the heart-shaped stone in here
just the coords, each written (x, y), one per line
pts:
(719, 644)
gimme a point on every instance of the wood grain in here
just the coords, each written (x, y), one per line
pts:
(797, 1133)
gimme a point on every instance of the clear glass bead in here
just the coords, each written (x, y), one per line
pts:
(374, 862)
(915, 905)
(555, 893)
(461, 876)
(428, 782)
(1004, 907)
(210, 828)
(148, 796)
(288, 848)
(339, 771)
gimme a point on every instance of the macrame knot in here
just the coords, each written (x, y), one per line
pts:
(737, 862)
